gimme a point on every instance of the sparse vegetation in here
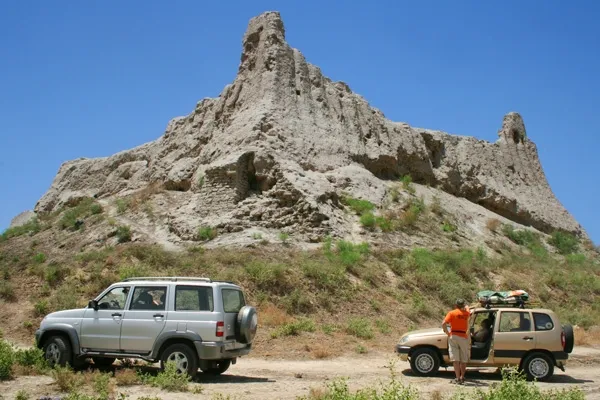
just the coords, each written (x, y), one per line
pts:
(123, 234)
(32, 227)
(73, 217)
(206, 233)
(407, 184)
(169, 379)
(122, 204)
(283, 237)
(360, 327)
(7, 291)
(294, 328)
(565, 243)
(448, 226)
(359, 207)
(368, 220)
(6, 360)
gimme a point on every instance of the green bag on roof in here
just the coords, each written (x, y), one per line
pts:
(505, 297)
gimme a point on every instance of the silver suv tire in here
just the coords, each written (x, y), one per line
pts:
(57, 351)
(246, 325)
(217, 367)
(183, 356)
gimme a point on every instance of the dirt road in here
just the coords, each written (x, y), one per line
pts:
(254, 378)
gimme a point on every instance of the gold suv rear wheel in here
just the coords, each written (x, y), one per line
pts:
(538, 366)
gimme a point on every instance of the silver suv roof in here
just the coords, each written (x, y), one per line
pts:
(168, 279)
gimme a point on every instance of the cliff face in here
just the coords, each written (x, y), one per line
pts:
(282, 141)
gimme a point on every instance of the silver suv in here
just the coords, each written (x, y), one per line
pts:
(194, 322)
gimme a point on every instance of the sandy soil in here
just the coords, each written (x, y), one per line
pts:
(257, 378)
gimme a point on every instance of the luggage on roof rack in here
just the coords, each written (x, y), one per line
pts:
(516, 298)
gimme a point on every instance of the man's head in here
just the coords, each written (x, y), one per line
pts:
(485, 323)
(460, 303)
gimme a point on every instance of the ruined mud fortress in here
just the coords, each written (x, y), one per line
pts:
(282, 142)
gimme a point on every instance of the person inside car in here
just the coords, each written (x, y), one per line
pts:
(483, 334)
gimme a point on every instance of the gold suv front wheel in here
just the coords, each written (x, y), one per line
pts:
(424, 361)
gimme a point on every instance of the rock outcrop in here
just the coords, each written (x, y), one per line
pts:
(281, 143)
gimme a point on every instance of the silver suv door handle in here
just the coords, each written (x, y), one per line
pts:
(117, 314)
(158, 316)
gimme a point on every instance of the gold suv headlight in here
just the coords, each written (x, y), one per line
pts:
(404, 339)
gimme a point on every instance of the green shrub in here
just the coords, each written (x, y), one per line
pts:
(358, 206)
(96, 209)
(206, 233)
(64, 299)
(40, 308)
(283, 237)
(132, 271)
(169, 379)
(54, 274)
(123, 205)
(39, 258)
(515, 386)
(368, 220)
(360, 327)
(407, 183)
(123, 234)
(565, 243)
(7, 292)
(349, 253)
(383, 326)
(6, 360)
(72, 217)
(448, 226)
(294, 328)
(22, 395)
(32, 227)
(267, 276)
(385, 224)
(31, 357)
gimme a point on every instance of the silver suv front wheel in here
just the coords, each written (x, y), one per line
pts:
(184, 358)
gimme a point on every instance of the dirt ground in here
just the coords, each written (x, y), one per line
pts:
(259, 378)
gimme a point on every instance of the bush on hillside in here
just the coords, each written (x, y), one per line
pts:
(565, 243)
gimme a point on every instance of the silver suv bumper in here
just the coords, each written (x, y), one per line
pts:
(220, 351)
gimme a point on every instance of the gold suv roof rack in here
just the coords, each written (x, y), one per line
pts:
(167, 278)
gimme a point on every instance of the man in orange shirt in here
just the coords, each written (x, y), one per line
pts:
(458, 339)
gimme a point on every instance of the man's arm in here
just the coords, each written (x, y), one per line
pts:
(445, 324)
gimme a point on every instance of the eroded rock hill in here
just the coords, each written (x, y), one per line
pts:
(282, 142)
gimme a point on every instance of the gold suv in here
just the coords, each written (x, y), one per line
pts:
(531, 339)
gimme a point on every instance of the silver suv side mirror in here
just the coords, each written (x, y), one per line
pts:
(93, 304)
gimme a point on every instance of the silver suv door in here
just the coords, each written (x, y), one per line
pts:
(193, 310)
(233, 301)
(145, 318)
(101, 329)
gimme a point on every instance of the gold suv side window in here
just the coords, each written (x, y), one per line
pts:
(543, 322)
(515, 321)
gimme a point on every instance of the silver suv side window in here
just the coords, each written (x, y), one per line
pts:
(115, 299)
(149, 298)
(543, 322)
(515, 321)
(194, 298)
(233, 300)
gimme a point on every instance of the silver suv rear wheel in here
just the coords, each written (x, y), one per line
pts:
(182, 356)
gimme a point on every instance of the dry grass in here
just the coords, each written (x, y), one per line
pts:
(321, 352)
(493, 224)
(126, 377)
(317, 393)
(270, 315)
(142, 196)
(437, 395)
(588, 337)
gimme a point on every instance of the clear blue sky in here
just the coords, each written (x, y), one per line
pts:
(88, 79)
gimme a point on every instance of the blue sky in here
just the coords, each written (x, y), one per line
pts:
(88, 79)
